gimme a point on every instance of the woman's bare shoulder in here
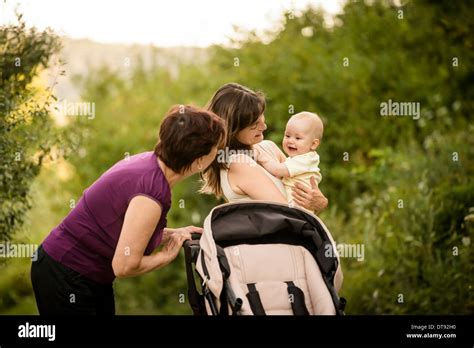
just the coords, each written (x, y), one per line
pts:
(241, 169)
(241, 161)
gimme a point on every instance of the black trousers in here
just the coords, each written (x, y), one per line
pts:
(60, 290)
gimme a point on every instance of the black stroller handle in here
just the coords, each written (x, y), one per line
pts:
(191, 244)
(191, 252)
(196, 236)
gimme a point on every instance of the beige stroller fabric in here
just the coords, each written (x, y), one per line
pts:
(269, 266)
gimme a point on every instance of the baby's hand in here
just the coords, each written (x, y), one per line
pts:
(256, 153)
(262, 157)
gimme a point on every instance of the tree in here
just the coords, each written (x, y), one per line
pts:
(27, 131)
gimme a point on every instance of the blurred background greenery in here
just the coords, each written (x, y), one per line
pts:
(400, 186)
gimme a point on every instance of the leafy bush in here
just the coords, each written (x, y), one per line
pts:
(27, 132)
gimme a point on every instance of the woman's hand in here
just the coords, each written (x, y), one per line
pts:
(174, 244)
(310, 198)
(187, 231)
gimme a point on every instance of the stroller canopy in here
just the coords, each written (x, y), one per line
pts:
(260, 254)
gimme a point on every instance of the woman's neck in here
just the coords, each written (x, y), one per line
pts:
(171, 176)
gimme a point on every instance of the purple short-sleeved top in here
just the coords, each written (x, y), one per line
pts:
(86, 239)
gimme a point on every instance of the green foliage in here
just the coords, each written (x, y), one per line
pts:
(399, 186)
(27, 132)
(416, 227)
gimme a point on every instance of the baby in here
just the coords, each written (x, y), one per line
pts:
(303, 135)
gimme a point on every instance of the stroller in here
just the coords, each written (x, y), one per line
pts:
(261, 258)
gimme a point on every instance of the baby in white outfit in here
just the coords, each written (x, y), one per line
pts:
(303, 135)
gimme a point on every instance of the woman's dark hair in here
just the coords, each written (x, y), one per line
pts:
(240, 107)
(187, 133)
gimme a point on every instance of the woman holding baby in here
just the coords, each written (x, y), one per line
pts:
(243, 178)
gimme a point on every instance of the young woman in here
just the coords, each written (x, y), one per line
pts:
(121, 219)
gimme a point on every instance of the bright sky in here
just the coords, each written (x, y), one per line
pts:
(161, 22)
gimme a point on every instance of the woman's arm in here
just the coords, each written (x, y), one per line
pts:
(250, 179)
(140, 221)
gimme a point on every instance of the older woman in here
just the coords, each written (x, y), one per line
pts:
(121, 219)
(237, 176)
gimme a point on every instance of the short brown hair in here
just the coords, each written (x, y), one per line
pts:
(187, 133)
